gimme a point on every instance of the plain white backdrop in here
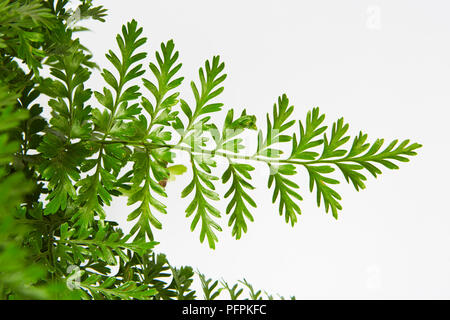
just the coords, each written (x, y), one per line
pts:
(382, 65)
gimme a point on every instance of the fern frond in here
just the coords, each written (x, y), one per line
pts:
(237, 206)
(203, 189)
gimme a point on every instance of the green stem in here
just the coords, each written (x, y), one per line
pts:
(215, 152)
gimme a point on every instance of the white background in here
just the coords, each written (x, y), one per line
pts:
(383, 66)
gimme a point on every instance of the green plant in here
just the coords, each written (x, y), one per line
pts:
(57, 175)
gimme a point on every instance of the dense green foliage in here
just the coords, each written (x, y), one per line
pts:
(58, 174)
